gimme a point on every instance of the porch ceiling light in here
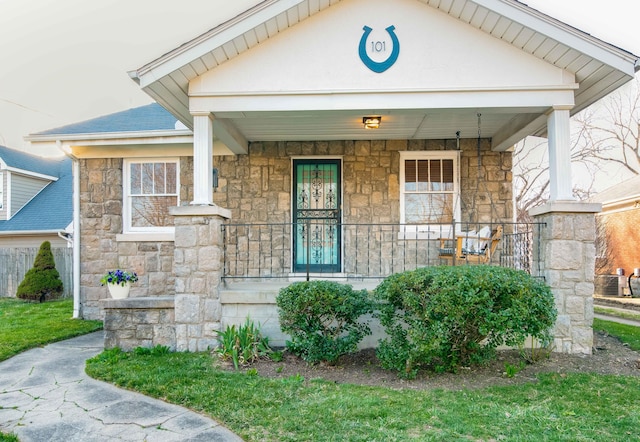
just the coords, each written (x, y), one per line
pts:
(371, 122)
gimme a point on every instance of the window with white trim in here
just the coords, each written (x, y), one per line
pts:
(150, 188)
(429, 187)
(1, 191)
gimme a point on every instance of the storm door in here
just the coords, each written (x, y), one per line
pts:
(316, 215)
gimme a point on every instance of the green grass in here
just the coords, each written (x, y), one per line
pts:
(25, 325)
(626, 333)
(618, 313)
(8, 437)
(560, 407)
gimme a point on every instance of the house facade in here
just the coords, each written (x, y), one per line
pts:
(334, 139)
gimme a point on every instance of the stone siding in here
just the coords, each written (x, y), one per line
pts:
(257, 187)
(100, 222)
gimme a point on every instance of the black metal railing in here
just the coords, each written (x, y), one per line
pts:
(362, 251)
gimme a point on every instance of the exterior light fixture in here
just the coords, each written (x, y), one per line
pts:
(371, 122)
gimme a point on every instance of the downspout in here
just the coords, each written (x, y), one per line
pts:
(76, 228)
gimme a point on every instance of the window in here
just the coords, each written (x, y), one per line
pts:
(150, 188)
(1, 191)
(429, 188)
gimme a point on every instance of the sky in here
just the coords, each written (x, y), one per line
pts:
(64, 61)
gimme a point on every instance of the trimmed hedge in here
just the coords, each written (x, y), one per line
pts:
(322, 319)
(441, 318)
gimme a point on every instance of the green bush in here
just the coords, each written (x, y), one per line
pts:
(442, 318)
(42, 281)
(243, 344)
(322, 319)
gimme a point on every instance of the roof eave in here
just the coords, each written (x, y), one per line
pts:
(137, 135)
(31, 232)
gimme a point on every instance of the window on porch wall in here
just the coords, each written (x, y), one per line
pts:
(150, 188)
(429, 189)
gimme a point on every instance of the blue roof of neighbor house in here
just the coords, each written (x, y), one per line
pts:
(52, 208)
(144, 118)
(25, 161)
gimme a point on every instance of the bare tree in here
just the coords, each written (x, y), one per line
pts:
(605, 141)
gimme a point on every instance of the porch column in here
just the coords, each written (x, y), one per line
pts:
(202, 159)
(566, 260)
(559, 136)
(198, 268)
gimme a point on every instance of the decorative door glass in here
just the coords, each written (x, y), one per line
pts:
(317, 243)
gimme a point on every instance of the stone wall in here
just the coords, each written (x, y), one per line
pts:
(100, 222)
(257, 187)
(139, 322)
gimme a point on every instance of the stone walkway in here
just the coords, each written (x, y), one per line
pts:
(45, 395)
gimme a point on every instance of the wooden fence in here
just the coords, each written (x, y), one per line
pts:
(15, 262)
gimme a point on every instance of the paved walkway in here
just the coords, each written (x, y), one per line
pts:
(45, 395)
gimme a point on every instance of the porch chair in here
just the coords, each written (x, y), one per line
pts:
(471, 247)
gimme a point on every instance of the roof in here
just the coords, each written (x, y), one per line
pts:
(628, 190)
(599, 67)
(151, 117)
(52, 208)
(24, 161)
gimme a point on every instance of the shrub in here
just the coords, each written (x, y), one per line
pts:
(42, 281)
(446, 317)
(322, 319)
(243, 344)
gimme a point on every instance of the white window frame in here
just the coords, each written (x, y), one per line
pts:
(1, 191)
(127, 197)
(430, 155)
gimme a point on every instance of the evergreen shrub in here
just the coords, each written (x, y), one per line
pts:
(442, 318)
(42, 281)
(322, 318)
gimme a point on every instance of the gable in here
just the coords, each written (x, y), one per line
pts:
(437, 53)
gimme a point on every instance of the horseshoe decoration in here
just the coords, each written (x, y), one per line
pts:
(380, 66)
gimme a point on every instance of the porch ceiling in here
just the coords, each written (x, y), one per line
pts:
(599, 68)
(396, 124)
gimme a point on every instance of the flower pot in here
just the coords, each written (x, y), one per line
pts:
(118, 291)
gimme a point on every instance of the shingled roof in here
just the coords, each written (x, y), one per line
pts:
(145, 118)
(52, 208)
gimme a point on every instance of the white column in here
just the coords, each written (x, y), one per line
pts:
(559, 135)
(202, 159)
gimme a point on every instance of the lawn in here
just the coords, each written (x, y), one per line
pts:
(626, 333)
(559, 407)
(25, 325)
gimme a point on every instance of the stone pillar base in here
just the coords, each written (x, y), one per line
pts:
(198, 264)
(566, 256)
(139, 322)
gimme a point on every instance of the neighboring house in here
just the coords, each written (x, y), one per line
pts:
(35, 199)
(35, 206)
(278, 110)
(618, 241)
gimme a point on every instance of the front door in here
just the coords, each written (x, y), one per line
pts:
(316, 217)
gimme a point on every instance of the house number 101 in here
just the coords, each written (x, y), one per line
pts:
(379, 46)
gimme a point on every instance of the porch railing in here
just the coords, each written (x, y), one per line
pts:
(268, 250)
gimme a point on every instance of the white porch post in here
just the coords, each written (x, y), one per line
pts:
(202, 159)
(559, 133)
